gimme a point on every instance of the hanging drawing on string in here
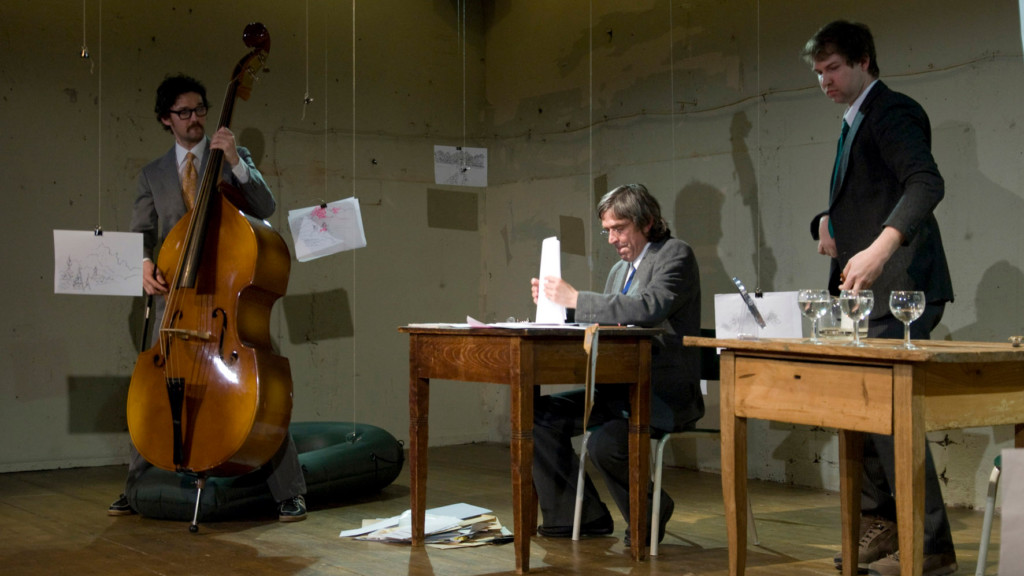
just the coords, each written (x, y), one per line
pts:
(460, 166)
(107, 264)
(326, 229)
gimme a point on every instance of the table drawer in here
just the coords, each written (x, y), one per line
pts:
(853, 397)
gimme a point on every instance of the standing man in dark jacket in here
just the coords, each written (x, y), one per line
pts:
(881, 234)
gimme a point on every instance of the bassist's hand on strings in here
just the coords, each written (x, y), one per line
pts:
(153, 281)
(224, 140)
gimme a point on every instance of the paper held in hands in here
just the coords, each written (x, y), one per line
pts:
(550, 265)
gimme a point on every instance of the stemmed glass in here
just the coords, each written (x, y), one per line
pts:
(813, 305)
(856, 304)
(906, 306)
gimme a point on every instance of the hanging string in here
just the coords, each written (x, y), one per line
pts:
(590, 143)
(306, 98)
(84, 53)
(355, 341)
(672, 91)
(757, 166)
(99, 121)
(462, 41)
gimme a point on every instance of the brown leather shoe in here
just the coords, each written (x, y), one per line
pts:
(934, 565)
(878, 539)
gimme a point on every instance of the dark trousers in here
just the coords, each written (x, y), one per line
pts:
(284, 473)
(879, 470)
(557, 419)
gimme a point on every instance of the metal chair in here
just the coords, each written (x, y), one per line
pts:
(709, 371)
(986, 525)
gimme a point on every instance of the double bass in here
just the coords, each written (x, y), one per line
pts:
(211, 397)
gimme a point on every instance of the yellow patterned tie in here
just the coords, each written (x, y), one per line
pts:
(188, 181)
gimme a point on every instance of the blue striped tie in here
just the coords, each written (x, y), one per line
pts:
(629, 280)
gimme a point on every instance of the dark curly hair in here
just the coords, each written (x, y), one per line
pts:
(169, 90)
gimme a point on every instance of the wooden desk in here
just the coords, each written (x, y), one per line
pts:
(523, 359)
(877, 389)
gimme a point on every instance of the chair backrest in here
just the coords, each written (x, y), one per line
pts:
(709, 365)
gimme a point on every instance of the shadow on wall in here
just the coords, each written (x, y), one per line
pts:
(318, 316)
(698, 221)
(997, 293)
(763, 260)
(980, 223)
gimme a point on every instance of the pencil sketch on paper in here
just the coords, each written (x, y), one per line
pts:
(781, 316)
(86, 263)
(459, 166)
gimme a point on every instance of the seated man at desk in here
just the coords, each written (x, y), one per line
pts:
(656, 285)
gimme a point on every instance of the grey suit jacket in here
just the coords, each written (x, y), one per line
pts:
(887, 177)
(159, 204)
(665, 294)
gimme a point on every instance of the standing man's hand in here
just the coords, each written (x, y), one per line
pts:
(866, 266)
(224, 140)
(153, 281)
(826, 243)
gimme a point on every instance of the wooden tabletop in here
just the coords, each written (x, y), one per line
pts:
(877, 348)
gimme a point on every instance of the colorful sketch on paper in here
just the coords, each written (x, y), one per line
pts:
(108, 264)
(326, 229)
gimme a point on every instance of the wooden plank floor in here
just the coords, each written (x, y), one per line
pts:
(55, 522)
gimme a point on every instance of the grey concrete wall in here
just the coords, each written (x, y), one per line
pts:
(707, 103)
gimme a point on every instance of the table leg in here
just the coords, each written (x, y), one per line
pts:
(522, 460)
(851, 454)
(734, 467)
(909, 442)
(639, 466)
(419, 404)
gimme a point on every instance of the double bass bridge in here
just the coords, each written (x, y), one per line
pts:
(185, 334)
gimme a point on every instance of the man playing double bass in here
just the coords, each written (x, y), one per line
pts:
(166, 189)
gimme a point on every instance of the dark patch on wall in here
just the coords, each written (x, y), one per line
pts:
(572, 235)
(318, 316)
(600, 189)
(97, 404)
(452, 209)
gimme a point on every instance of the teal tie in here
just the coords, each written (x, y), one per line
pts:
(835, 172)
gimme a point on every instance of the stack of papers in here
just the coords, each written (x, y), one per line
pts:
(454, 526)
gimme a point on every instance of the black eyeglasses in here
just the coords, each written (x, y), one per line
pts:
(186, 113)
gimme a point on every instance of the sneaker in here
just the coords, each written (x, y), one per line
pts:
(934, 565)
(600, 527)
(120, 507)
(878, 539)
(292, 509)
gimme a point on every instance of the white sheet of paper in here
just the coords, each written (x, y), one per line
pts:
(1011, 534)
(550, 265)
(779, 309)
(459, 166)
(109, 264)
(327, 229)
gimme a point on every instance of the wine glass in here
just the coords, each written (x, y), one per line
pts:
(906, 306)
(856, 304)
(813, 305)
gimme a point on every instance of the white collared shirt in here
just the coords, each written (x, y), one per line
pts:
(241, 171)
(636, 263)
(851, 112)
